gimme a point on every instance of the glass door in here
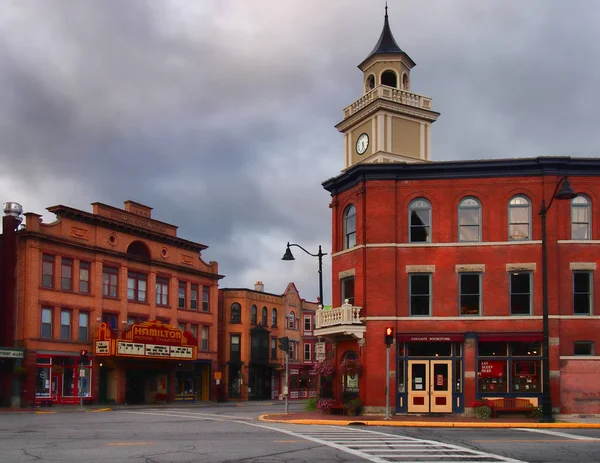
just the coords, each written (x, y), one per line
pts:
(441, 386)
(418, 386)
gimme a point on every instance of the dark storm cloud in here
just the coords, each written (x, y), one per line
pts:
(220, 114)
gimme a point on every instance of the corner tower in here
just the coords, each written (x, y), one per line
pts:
(388, 123)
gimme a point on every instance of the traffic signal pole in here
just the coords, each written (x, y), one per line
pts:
(287, 392)
(387, 382)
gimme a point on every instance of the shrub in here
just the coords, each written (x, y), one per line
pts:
(354, 406)
(310, 405)
(483, 412)
(537, 412)
(325, 405)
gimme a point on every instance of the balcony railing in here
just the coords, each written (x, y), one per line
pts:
(347, 314)
(391, 94)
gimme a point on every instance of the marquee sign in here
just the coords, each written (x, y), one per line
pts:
(146, 340)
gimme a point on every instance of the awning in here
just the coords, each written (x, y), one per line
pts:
(510, 337)
(442, 337)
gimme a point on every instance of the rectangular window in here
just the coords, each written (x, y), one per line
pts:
(110, 277)
(205, 299)
(66, 274)
(234, 348)
(292, 346)
(84, 318)
(526, 376)
(307, 323)
(583, 348)
(492, 376)
(182, 327)
(162, 291)
(307, 353)
(469, 285)
(181, 295)
(65, 324)
(347, 285)
(84, 277)
(520, 293)
(204, 343)
(194, 297)
(47, 271)
(420, 294)
(273, 348)
(111, 320)
(136, 287)
(194, 330)
(46, 331)
(582, 293)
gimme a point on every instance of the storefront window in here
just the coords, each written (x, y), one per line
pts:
(458, 375)
(525, 349)
(401, 378)
(304, 382)
(526, 376)
(42, 382)
(429, 349)
(294, 382)
(497, 349)
(492, 376)
(68, 382)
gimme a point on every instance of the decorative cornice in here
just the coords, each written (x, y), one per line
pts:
(470, 268)
(489, 168)
(582, 265)
(518, 267)
(420, 269)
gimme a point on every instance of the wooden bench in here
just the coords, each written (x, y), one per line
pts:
(337, 409)
(511, 405)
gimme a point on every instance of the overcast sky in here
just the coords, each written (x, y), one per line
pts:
(220, 114)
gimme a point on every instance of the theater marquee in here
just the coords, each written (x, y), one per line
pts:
(154, 340)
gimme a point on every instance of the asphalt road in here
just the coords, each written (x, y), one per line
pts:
(229, 433)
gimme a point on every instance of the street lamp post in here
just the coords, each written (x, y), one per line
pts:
(289, 256)
(566, 192)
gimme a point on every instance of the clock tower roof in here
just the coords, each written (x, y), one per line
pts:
(386, 44)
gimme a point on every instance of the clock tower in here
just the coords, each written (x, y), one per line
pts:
(389, 123)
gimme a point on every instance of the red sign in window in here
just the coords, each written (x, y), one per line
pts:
(491, 368)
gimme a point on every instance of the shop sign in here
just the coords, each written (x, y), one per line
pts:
(320, 351)
(491, 368)
(102, 348)
(294, 372)
(154, 333)
(431, 337)
(10, 353)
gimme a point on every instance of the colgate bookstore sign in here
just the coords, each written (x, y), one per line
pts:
(146, 340)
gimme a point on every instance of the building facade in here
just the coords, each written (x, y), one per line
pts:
(449, 255)
(253, 364)
(113, 307)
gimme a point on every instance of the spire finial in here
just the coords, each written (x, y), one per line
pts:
(386, 9)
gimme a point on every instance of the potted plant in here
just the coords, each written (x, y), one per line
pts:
(324, 368)
(483, 409)
(350, 367)
(325, 404)
(353, 407)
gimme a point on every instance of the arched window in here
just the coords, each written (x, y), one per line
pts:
(253, 314)
(469, 220)
(236, 313)
(292, 320)
(264, 316)
(581, 218)
(389, 78)
(420, 221)
(519, 218)
(370, 83)
(350, 227)
(138, 249)
(274, 318)
(405, 82)
(349, 366)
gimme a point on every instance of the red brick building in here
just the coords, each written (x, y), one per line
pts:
(111, 306)
(252, 324)
(449, 254)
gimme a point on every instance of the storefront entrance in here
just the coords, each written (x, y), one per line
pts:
(429, 386)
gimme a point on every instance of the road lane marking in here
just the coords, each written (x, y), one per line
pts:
(573, 441)
(556, 433)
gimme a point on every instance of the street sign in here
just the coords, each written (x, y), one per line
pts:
(320, 351)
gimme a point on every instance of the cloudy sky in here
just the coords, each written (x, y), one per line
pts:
(220, 114)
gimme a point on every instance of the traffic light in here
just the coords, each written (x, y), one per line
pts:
(83, 355)
(284, 344)
(389, 335)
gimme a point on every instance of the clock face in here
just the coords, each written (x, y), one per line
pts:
(362, 143)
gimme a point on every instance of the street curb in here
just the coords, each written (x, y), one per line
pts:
(429, 424)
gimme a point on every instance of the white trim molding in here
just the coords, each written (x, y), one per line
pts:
(529, 266)
(420, 269)
(459, 268)
(347, 273)
(583, 265)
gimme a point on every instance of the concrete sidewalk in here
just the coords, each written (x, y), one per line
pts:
(423, 421)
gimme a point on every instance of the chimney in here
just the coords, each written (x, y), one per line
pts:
(259, 286)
